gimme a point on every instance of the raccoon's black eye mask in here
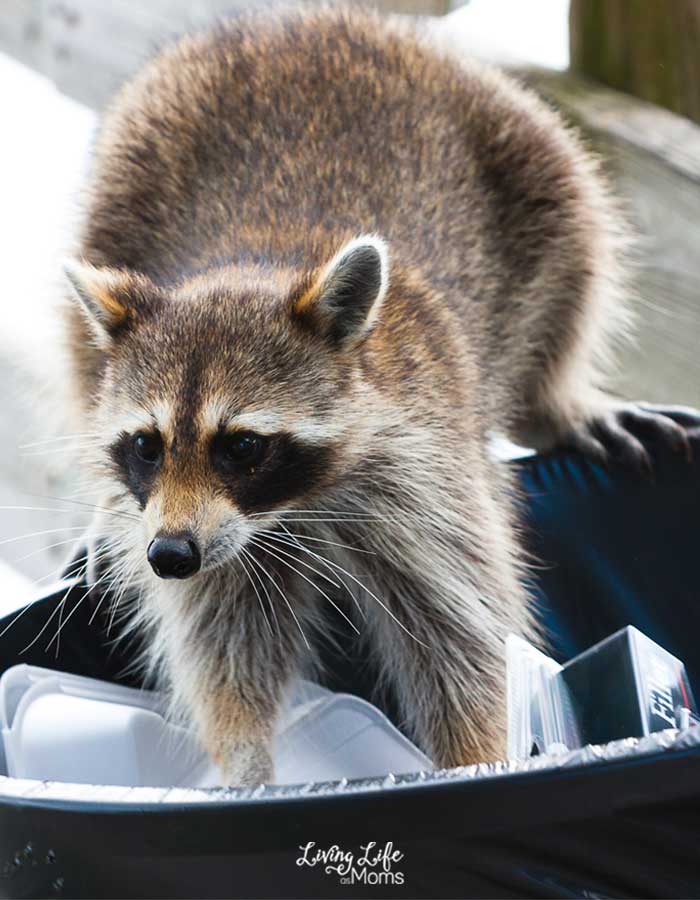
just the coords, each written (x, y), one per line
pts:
(256, 471)
(138, 458)
(233, 452)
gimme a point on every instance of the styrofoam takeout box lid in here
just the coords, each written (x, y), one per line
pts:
(70, 728)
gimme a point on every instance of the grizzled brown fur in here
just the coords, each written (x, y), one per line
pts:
(227, 177)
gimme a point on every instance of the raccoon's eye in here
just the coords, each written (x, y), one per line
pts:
(240, 449)
(148, 446)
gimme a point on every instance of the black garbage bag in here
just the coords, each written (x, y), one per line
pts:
(618, 821)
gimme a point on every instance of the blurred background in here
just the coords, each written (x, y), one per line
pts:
(627, 72)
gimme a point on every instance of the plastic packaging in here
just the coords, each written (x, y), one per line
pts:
(540, 715)
(68, 728)
(625, 686)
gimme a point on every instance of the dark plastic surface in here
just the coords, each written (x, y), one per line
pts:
(622, 830)
(617, 551)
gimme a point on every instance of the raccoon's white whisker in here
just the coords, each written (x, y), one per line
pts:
(126, 582)
(84, 440)
(343, 515)
(322, 559)
(263, 587)
(71, 613)
(380, 602)
(308, 537)
(55, 509)
(61, 607)
(284, 597)
(361, 517)
(19, 616)
(25, 537)
(98, 607)
(383, 606)
(68, 510)
(56, 572)
(61, 437)
(47, 623)
(92, 506)
(336, 520)
(105, 593)
(57, 609)
(267, 549)
(79, 573)
(241, 560)
(350, 516)
(34, 602)
(291, 510)
(46, 547)
(305, 564)
(56, 451)
(88, 491)
(109, 571)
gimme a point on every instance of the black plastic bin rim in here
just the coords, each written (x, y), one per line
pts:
(113, 798)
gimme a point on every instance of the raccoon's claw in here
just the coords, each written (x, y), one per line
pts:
(618, 433)
(669, 424)
(685, 416)
(586, 443)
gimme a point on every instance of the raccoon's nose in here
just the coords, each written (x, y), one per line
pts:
(174, 556)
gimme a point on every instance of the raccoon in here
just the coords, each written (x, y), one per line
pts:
(320, 262)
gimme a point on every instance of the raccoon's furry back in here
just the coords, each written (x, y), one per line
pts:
(274, 136)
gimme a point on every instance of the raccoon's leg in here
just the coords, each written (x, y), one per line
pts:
(617, 431)
(229, 659)
(235, 721)
(449, 598)
(449, 681)
(561, 402)
(568, 338)
(610, 430)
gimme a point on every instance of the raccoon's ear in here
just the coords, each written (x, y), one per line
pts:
(103, 294)
(343, 301)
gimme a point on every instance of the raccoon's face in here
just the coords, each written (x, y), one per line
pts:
(229, 397)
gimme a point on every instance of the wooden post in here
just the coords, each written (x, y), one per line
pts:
(648, 48)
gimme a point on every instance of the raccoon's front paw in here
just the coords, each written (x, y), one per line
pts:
(248, 767)
(619, 432)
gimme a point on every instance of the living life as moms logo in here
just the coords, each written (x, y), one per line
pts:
(375, 864)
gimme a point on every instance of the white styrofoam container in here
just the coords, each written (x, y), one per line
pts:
(62, 727)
